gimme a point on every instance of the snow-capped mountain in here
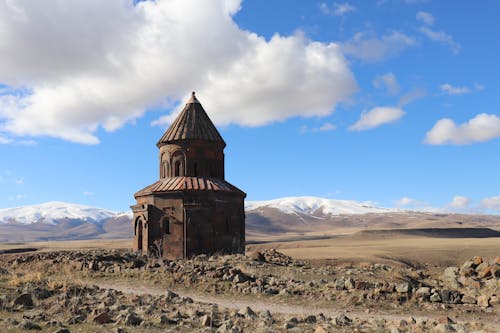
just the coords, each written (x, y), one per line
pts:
(51, 212)
(317, 206)
(62, 221)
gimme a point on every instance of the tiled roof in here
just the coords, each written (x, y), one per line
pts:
(192, 123)
(188, 184)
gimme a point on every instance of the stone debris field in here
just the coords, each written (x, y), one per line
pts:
(267, 291)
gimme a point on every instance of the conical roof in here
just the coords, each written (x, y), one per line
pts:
(192, 123)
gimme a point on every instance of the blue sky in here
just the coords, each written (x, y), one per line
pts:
(393, 102)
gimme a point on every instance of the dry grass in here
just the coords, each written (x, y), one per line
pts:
(71, 245)
(419, 250)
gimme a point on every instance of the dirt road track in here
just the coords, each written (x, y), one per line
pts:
(232, 302)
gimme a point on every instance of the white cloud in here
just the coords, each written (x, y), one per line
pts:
(90, 64)
(4, 140)
(459, 202)
(451, 90)
(482, 127)
(367, 47)
(425, 17)
(492, 203)
(338, 9)
(376, 117)
(388, 81)
(341, 9)
(326, 127)
(88, 193)
(409, 202)
(441, 37)
(324, 8)
(479, 87)
(411, 96)
(19, 181)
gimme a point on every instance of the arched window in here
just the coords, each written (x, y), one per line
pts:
(178, 164)
(164, 166)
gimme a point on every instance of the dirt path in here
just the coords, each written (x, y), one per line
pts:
(232, 302)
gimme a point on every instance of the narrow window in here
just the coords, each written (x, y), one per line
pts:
(165, 170)
(227, 224)
(177, 169)
(196, 169)
(166, 226)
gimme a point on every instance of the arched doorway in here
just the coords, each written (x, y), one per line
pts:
(138, 233)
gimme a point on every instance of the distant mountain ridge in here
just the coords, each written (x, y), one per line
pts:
(316, 205)
(55, 211)
(62, 221)
(292, 215)
(52, 212)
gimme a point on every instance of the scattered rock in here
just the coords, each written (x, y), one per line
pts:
(477, 260)
(247, 312)
(62, 330)
(102, 318)
(403, 287)
(132, 319)
(25, 301)
(256, 256)
(311, 319)
(319, 329)
(206, 321)
(451, 272)
(240, 278)
(171, 295)
(29, 326)
(451, 297)
(343, 320)
(483, 301)
(435, 297)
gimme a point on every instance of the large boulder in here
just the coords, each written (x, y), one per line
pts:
(25, 301)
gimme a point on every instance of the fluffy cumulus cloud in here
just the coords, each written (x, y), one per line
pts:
(377, 117)
(72, 68)
(371, 48)
(387, 81)
(483, 127)
(459, 201)
(492, 203)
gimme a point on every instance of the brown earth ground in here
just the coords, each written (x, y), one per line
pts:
(403, 246)
(418, 257)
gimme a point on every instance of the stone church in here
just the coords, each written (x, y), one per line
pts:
(191, 209)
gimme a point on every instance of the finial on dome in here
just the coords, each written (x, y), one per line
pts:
(192, 99)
